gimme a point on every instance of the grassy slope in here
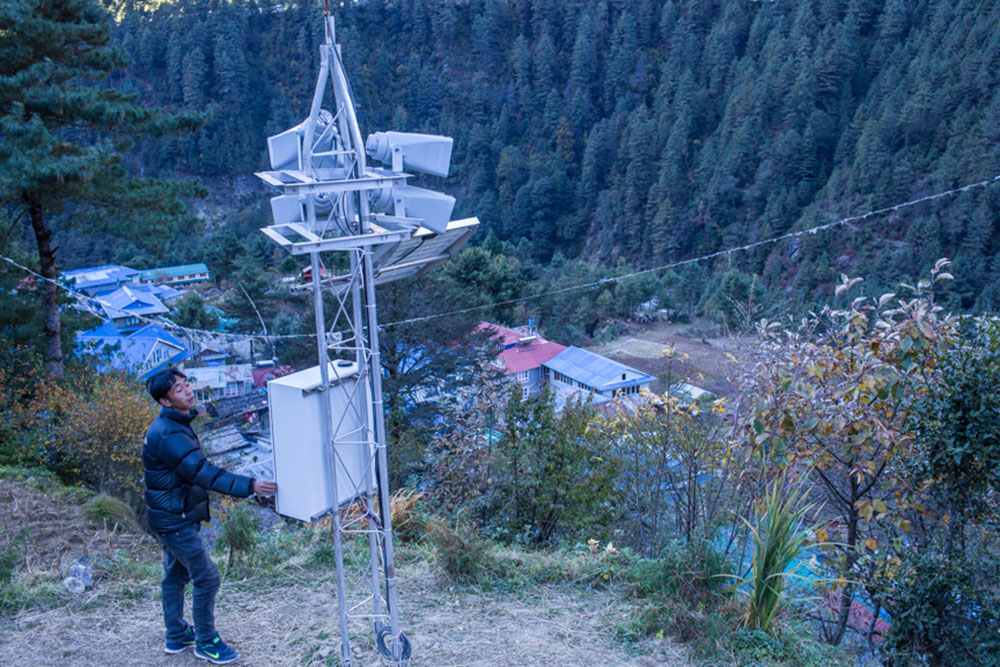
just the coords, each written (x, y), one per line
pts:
(281, 608)
(277, 605)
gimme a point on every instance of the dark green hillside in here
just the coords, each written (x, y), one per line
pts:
(648, 130)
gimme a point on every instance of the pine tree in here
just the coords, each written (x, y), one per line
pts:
(194, 71)
(59, 122)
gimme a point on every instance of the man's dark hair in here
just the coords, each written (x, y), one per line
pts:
(160, 382)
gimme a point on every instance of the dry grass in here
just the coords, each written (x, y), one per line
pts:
(704, 365)
(286, 613)
(296, 623)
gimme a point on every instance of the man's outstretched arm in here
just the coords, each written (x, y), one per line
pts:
(183, 454)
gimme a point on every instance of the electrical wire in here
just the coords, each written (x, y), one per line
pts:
(93, 301)
(93, 305)
(712, 255)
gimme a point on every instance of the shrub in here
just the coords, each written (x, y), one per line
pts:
(23, 391)
(552, 476)
(238, 530)
(464, 556)
(10, 556)
(98, 422)
(945, 611)
(680, 594)
(113, 513)
(407, 524)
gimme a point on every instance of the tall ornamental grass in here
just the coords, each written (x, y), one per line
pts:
(779, 539)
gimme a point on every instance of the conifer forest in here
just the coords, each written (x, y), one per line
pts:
(808, 190)
(646, 131)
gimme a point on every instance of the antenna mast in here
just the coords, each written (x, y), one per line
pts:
(330, 201)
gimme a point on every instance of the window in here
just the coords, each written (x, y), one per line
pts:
(522, 377)
(562, 378)
(232, 389)
(525, 391)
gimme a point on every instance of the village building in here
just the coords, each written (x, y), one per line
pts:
(689, 394)
(97, 280)
(576, 374)
(216, 382)
(520, 354)
(185, 274)
(142, 351)
(130, 308)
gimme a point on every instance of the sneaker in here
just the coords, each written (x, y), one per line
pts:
(216, 651)
(179, 645)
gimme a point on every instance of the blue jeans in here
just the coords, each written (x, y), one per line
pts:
(184, 560)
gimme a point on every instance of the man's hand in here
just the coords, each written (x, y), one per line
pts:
(264, 488)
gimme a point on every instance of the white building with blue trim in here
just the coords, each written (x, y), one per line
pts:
(576, 373)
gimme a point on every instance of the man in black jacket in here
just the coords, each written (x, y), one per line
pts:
(178, 477)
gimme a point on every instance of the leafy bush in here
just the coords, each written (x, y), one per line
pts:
(98, 422)
(23, 391)
(552, 474)
(945, 611)
(104, 509)
(939, 583)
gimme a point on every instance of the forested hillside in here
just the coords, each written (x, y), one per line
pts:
(651, 130)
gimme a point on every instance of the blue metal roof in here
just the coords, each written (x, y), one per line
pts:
(595, 371)
(94, 277)
(162, 292)
(126, 301)
(130, 352)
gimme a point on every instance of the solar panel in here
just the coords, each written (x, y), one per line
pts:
(416, 255)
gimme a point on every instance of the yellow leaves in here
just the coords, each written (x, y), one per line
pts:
(868, 508)
(871, 543)
(865, 508)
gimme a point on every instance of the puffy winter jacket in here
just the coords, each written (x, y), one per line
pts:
(178, 474)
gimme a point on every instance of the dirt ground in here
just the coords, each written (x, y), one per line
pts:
(296, 622)
(56, 530)
(706, 364)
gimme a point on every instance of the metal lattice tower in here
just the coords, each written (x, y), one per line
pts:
(331, 201)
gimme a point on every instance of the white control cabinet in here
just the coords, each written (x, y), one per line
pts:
(300, 460)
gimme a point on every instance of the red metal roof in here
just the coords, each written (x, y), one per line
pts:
(262, 375)
(502, 335)
(525, 358)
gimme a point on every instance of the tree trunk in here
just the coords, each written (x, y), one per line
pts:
(847, 593)
(50, 293)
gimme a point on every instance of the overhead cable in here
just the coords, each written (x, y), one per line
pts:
(93, 301)
(712, 255)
